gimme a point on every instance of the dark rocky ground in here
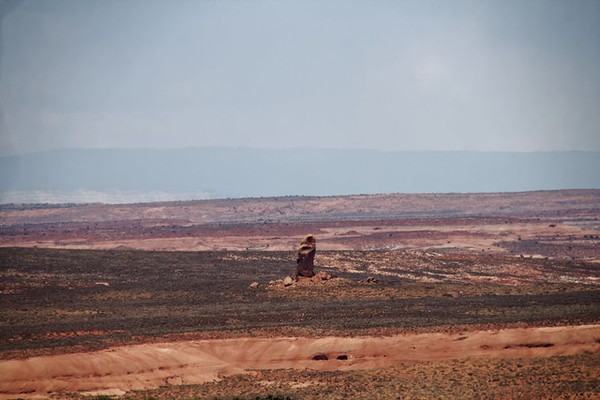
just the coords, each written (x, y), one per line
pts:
(64, 300)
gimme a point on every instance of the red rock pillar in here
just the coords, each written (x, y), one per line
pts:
(306, 257)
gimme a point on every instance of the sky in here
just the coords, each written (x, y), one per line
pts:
(502, 75)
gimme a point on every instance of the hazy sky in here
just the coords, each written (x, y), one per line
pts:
(505, 75)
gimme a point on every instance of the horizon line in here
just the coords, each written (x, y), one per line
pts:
(347, 149)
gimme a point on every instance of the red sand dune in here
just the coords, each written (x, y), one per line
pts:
(117, 370)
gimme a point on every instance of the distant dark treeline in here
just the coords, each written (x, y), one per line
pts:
(246, 172)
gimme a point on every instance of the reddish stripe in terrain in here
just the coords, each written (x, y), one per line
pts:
(144, 366)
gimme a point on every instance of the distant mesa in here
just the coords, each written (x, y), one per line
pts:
(96, 175)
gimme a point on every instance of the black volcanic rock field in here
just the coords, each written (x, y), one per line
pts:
(56, 299)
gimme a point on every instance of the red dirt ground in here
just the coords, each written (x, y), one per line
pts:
(466, 280)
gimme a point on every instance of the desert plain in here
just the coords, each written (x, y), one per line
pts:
(435, 296)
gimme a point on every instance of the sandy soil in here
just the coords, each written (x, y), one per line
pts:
(121, 369)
